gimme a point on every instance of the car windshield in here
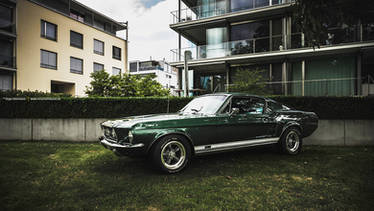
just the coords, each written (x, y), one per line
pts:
(205, 104)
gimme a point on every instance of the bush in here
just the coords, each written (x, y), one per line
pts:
(29, 94)
(125, 85)
(333, 107)
(89, 107)
(325, 107)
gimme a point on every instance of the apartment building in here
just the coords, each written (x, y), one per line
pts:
(54, 46)
(165, 74)
(228, 36)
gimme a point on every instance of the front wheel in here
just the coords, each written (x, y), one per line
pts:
(291, 141)
(171, 154)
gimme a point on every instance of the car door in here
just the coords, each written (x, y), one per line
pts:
(251, 122)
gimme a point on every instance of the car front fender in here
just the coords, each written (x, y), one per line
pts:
(167, 132)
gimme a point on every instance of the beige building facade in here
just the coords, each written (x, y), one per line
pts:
(59, 45)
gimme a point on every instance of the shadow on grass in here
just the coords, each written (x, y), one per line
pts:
(206, 165)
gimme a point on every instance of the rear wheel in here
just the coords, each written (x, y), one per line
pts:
(171, 154)
(291, 141)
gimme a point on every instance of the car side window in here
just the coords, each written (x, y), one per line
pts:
(248, 105)
(273, 106)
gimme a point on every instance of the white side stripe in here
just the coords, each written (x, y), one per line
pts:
(234, 145)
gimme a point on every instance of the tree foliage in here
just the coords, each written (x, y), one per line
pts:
(249, 81)
(313, 16)
(104, 85)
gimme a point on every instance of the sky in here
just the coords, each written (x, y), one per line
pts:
(149, 31)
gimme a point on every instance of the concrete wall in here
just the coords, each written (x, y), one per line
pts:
(50, 129)
(329, 132)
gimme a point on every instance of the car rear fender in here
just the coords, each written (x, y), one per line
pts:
(171, 132)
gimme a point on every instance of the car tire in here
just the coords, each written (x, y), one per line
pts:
(171, 154)
(291, 141)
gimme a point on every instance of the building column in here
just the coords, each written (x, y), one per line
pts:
(284, 78)
(179, 34)
(227, 67)
(303, 78)
(271, 35)
(270, 72)
(180, 83)
(289, 32)
(359, 72)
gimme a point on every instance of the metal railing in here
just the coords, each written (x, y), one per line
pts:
(238, 47)
(215, 9)
(7, 61)
(315, 87)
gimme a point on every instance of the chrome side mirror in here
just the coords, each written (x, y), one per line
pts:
(234, 111)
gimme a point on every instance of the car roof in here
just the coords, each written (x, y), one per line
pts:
(236, 94)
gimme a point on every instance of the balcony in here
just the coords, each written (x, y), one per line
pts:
(216, 9)
(7, 61)
(238, 47)
(83, 14)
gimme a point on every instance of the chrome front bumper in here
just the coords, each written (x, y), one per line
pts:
(109, 144)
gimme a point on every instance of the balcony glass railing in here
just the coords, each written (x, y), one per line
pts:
(217, 8)
(7, 61)
(238, 47)
(256, 45)
(316, 87)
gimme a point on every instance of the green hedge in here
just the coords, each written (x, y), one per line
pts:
(88, 107)
(333, 107)
(325, 107)
(29, 94)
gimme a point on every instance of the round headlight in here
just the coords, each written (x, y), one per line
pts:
(114, 135)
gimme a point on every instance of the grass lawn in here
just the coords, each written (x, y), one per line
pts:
(68, 176)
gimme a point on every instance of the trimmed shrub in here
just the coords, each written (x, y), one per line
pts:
(89, 107)
(333, 107)
(29, 94)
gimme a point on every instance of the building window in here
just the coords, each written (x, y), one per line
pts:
(116, 71)
(98, 47)
(116, 53)
(77, 16)
(48, 59)
(250, 37)
(6, 82)
(133, 67)
(98, 24)
(6, 18)
(6, 54)
(76, 65)
(76, 39)
(48, 30)
(98, 67)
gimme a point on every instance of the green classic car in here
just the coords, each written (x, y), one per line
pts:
(208, 124)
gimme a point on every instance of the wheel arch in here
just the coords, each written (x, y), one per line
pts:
(292, 125)
(160, 136)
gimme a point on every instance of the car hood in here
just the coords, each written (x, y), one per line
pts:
(152, 120)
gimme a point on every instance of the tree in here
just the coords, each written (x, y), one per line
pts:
(147, 86)
(313, 16)
(100, 84)
(249, 81)
(104, 85)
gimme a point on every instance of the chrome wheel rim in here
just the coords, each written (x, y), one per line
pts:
(292, 141)
(173, 155)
